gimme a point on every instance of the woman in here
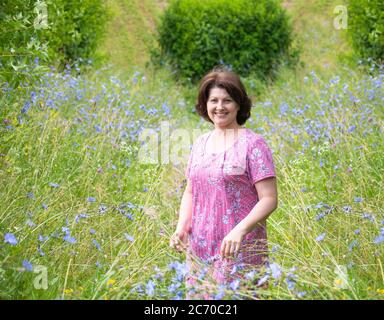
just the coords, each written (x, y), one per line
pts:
(231, 188)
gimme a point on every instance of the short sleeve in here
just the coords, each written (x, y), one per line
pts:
(190, 159)
(260, 163)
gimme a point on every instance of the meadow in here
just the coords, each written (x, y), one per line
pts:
(82, 218)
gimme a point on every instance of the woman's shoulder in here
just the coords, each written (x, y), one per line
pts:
(252, 136)
(200, 137)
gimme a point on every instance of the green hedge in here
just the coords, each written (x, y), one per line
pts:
(366, 28)
(73, 30)
(249, 36)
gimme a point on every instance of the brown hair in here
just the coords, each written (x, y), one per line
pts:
(220, 77)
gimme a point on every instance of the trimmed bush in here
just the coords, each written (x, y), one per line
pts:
(366, 28)
(248, 36)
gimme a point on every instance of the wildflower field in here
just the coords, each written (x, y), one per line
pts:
(82, 218)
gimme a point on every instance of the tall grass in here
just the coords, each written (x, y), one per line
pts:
(80, 204)
(76, 201)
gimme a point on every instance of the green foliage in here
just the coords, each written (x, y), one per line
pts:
(55, 31)
(366, 28)
(251, 37)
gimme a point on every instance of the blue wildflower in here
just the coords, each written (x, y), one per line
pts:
(91, 199)
(347, 209)
(320, 237)
(234, 285)
(97, 245)
(54, 185)
(30, 195)
(358, 199)
(42, 238)
(30, 223)
(92, 231)
(69, 239)
(44, 206)
(165, 109)
(220, 294)
(263, 280)
(290, 283)
(103, 209)
(173, 287)
(352, 245)
(41, 252)
(276, 270)
(128, 237)
(27, 265)
(380, 238)
(129, 216)
(150, 288)
(26, 107)
(10, 238)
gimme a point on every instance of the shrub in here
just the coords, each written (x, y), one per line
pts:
(366, 28)
(72, 31)
(248, 36)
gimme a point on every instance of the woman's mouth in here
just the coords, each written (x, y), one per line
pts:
(221, 114)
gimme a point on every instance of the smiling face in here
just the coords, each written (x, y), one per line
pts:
(222, 109)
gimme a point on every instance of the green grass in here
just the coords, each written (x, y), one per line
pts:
(130, 32)
(324, 123)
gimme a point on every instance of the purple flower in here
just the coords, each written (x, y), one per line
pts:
(263, 280)
(276, 270)
(358, 199)
(128, 237)
(30, 195)
(150, 288)
(234, 285)
(91, 199)
(54, 185)
(69, 239)
(41, 252)
(352, 245)
(321, 237)
(347, 209)
(379, 239)
(10, 238)
(30, 223)
(97, 245)
(290, 283)
(44, 206)
(173, 287)
(27, 265)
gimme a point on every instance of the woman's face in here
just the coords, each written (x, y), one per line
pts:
(222, 109)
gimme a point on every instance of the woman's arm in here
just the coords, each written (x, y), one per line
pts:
(267, 193)
(179, 239)
(185, 212)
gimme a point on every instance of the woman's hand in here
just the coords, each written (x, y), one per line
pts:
(179, 240)
(231, 243)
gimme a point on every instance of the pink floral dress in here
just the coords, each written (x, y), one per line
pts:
(223, 193)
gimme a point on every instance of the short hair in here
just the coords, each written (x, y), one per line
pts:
(220, 77)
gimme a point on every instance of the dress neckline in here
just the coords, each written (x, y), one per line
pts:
(221, 152)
